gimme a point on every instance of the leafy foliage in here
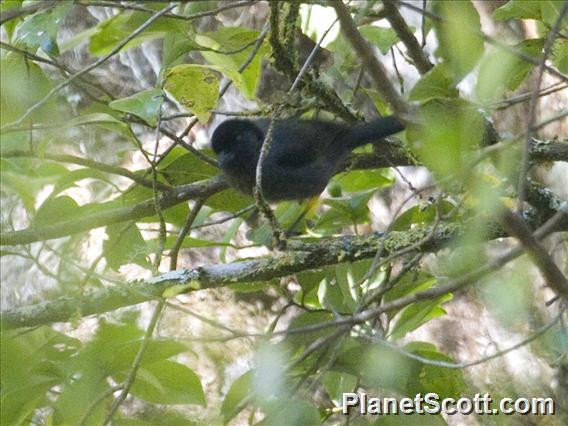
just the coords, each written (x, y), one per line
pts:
(87, 150)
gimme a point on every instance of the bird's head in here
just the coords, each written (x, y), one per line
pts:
(235, 135)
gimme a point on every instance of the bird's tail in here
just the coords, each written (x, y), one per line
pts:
(364, 133)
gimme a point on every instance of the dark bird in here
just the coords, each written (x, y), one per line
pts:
(303, 157)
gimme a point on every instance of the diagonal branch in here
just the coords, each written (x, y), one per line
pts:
(414, 49)
(517, 227)
(123, 214)
(92, 164)
(376, 70)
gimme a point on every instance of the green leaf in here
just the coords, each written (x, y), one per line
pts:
(125, 339)
(348, 277)
(332, 297)
(519, 9)
(114, 30)
(167, 382)
(345, 211)
(199, 6)
(145, 104)
(496, 72)
(125, 245)
(31, 363)
(176, 45)
(360, 180)
(409, 284)
(417, 314)
(78, 395)
(40, 30)
(196, 87)
(22, 85)
(10, 25)
(239, 391)
(338, 383)
(55, 210)
(383, 38)
(102, 120)
(307, 319)
(446, 382)
(16, 179)
(459, 46)
(437, 83)
(521, 69)
(184, 167)
(501, 71)
(229, 235)
(560, 55)
(231, 39)
(551, 12)
(310, 281)
(155, 416)
(423, 214)
(383, 367)
(294, 411)
(445, 146)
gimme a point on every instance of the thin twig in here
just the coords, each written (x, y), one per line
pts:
(92, 164)
(373, 66)
(94, 65)
(132, 6)
(516, 227)
(497, 43)
(184, 231)
(427, 361)
(127, 384)
(8, 15)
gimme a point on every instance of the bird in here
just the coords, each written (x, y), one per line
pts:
(303, 156)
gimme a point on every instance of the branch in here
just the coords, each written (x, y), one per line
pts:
(414, 49)
(389, 155)
(376, 70)
(14, 13)
(132, 6)
(517, 227)
(92, 164)
(329, 251)
(547, 49)
(497, 43)
(135, 212)
(91, 67)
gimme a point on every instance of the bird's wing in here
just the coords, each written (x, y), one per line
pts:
(297, 156)
(307, 142)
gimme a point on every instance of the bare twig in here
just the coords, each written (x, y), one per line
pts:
(375, 69)
(94, 65)
(92, 164)
(497, 43)
(184, 231)
(516, 227)
(414, 49)
(14, 13)
(137, 7)
(427, 361)
(127, 384)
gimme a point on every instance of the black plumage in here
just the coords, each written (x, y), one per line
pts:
(303, 157)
